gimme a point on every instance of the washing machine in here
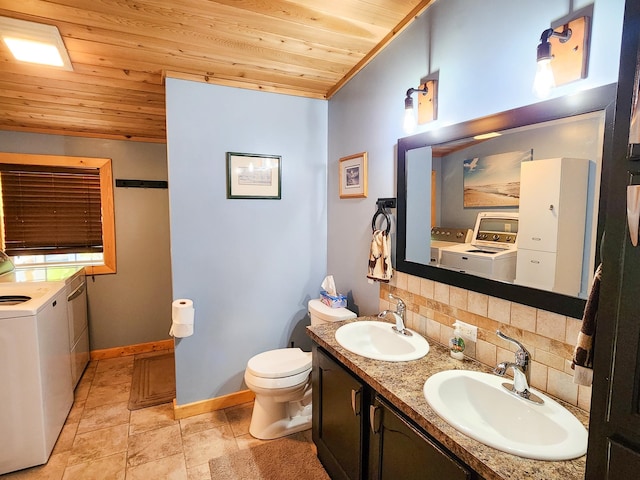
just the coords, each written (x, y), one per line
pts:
(443, 237)
(35, 372)
(493, 249)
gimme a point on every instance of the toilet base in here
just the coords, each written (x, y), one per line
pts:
(272, 419)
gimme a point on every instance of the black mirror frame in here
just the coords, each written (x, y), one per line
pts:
(596, 99)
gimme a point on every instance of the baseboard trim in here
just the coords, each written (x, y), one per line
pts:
(212, 404)
(132, 350)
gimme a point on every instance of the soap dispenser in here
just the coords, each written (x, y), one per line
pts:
(456, 343)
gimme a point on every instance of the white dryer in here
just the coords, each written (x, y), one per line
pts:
(35, 372)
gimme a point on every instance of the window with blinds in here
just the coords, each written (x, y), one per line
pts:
(51, 210)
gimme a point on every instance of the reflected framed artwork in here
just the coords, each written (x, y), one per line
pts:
(493, 180)
(251, 175)
(353, 176)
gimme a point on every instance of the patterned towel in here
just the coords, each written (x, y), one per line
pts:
(380, 268)
(583, 354)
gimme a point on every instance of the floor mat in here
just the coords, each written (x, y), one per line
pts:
(287, 458)
(154, 381)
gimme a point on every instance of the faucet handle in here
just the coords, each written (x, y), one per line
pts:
(522, 355)
(400, 302)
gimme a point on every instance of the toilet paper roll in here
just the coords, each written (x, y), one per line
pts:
(182, 317)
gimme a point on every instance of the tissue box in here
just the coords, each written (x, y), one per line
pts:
(334, 301)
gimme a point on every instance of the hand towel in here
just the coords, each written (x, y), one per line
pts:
(582, 363)
(380, 268)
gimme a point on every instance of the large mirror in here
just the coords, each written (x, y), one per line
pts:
(468, 181)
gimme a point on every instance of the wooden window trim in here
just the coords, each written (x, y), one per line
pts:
(106, 197)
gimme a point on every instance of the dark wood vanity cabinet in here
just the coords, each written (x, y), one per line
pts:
(397, 449)
(339, 432)
(360, 435)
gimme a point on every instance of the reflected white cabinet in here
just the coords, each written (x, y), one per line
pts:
(553, 198)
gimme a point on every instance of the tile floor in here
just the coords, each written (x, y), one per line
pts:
(102, 439)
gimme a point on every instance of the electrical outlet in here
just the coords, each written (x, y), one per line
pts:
(469, 332)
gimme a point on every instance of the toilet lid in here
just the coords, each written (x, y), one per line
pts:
(283, 362)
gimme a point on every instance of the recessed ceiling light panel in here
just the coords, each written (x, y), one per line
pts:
(34, 43)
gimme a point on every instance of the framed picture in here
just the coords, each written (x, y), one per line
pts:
(493, 180)
(353, 176)
(252, 175)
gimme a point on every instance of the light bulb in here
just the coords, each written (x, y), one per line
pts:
(409, 120)
(544, 80)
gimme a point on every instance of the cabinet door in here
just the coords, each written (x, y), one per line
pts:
(338, 400)
(539, 197)
(400, 451)
(614, 427)
(624, 462)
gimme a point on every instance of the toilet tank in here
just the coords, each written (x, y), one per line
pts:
(321, 313)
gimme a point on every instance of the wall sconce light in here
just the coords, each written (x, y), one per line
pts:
(34, 43)
(426, 105)
(562, 56)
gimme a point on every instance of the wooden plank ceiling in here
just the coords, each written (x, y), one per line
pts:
(122, 50)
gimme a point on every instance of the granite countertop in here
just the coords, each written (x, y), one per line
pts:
(401, 383)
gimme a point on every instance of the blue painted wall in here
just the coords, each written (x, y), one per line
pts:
(484, 54)
(250, 266)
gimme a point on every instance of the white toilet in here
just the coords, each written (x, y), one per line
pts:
(281, 381)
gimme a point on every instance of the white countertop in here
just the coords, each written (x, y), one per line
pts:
(41, 274)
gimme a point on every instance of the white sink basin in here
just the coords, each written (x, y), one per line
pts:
(477, 405)
(378, 341)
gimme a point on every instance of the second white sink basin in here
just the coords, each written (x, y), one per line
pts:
(477, 405)
(378, 341)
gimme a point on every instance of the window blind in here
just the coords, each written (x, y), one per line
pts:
(49, 210)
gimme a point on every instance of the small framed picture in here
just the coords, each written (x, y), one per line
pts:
(252, 175)
(353, 176)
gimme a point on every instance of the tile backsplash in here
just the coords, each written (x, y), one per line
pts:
(432, 307)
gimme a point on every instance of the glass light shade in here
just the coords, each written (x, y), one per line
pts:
(409, 120)
(544, 80)
(34, 52)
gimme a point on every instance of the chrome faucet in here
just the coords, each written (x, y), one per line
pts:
(521, 371)
(398, 315)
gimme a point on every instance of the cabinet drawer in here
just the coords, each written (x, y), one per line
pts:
(540, 240)
(536, 269)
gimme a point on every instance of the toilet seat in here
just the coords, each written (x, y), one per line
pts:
(297, 380)
(280, 363)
